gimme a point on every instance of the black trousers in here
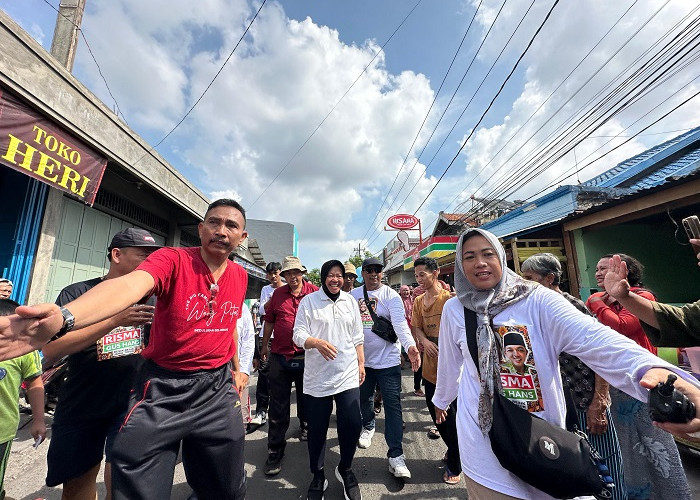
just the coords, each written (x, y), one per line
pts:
(262, 391)
(202, 411)
(280, 380)
(318, 415)
(448, 429)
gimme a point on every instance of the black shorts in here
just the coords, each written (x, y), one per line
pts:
(76, 447)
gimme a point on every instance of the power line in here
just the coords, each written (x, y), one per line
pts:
(522, 126)
(490, 105)
(471, 212)
(620, 105)
(598, 105)
(99, 69)
(208, 86)
(483, 80)
(364, 70)
(415, 163)
(465, 107)
(427, 115)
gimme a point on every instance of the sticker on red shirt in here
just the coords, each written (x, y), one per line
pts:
(519, 377)
(122, 341)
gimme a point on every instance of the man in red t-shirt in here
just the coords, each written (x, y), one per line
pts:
(187, 392)
(286, 359)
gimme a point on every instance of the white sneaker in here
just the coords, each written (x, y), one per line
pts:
(365, 440)
(397, 466)
(259, 418)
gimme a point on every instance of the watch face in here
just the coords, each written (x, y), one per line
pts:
(68, 319)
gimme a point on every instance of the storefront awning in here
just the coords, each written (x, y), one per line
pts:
(435, 247)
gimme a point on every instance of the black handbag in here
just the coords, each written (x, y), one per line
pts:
(294, 364)
(560, 462)
(381, 326)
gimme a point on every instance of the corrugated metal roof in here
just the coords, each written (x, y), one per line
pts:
(678, 157)
(655, 165)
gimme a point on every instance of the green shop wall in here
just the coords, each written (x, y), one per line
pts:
(670, 268)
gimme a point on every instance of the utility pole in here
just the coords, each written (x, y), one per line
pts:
(63, 47)
(359, 250)
(65, 34)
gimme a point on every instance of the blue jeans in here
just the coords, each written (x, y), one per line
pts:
(389, 380)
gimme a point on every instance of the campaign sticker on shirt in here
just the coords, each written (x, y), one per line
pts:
(367, 321)
(122, 341)
(519, 377)
(3, 373)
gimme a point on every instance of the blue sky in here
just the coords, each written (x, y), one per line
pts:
(301, 56)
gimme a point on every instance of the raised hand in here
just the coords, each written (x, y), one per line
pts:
(615, 281)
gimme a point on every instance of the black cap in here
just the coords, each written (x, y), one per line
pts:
(513, 338)
(133, 237)
(372, 262)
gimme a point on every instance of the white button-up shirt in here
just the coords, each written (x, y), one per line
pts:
(338, 323)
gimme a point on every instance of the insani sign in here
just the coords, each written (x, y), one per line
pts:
(32, 144)
(402, 221)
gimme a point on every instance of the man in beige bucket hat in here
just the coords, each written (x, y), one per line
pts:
(350, 277)
(285, 358)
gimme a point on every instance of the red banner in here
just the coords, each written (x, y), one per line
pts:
(34, 145)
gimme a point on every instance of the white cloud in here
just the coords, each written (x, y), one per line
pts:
(570, 33)
(287, 75)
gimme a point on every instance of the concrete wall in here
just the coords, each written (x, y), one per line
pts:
(275, 239)
(30, 71)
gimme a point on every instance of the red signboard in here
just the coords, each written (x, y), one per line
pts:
(34, 145)
(402, 221)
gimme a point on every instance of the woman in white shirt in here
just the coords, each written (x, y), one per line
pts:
(329, 327)
(549, 324)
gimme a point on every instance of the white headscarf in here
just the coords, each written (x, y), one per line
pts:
(487, 303)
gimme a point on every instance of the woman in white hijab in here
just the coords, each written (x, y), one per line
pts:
(505, 303)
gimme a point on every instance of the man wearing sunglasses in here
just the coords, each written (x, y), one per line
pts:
(383, 363)
(187, 392)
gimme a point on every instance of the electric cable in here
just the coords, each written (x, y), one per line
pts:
(94, 59)
(466, 106)
(364, 70)
(427, 115)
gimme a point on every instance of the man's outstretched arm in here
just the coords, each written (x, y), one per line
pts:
(33, 326)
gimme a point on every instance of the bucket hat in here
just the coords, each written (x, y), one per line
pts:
(290, 263)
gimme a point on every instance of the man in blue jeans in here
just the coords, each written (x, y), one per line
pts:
(383, 363)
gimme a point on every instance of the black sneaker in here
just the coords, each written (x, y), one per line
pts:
(317, 488)
(351, 488)
(273, 464)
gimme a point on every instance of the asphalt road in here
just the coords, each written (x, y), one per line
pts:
(24, 479)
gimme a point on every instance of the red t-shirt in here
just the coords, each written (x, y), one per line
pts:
(281, 310)
(620, 319)
(184, 336)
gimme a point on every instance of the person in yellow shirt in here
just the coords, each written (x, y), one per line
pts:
(427, 309)
(12, 373)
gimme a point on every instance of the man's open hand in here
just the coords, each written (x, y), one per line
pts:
(29, 329)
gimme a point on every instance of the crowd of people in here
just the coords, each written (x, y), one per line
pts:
(167, 332)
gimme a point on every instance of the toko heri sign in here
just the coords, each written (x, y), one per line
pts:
(402, 221)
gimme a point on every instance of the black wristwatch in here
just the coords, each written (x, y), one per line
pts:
(68, 323)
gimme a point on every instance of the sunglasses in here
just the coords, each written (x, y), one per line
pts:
(373, 270)
(213, 291)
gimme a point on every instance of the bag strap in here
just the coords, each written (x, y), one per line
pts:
(369, 306)
(470, 325)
